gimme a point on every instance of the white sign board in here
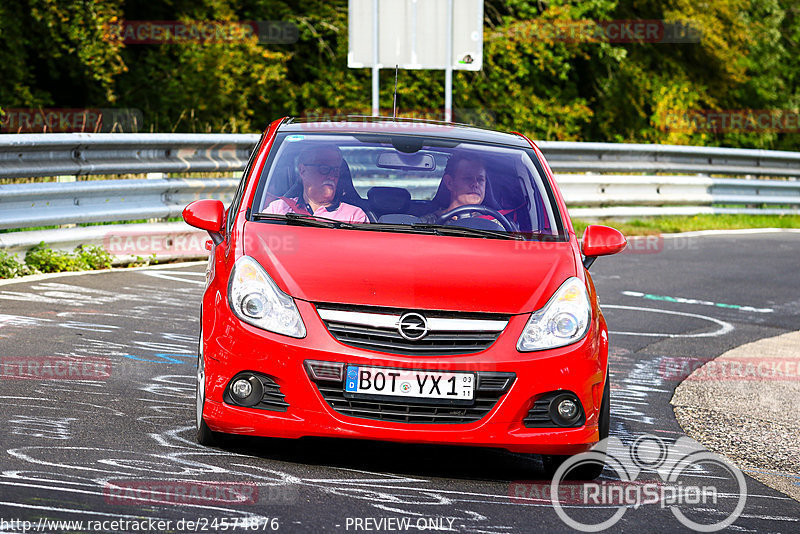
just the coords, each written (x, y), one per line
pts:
(413, 34)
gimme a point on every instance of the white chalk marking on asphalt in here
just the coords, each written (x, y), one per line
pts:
(682, 300)
(45, 276)
(67, 294)
(770, 517)
(59, 406)
(724, 327)
(115, 515)
(19, 320)
(69, 510)
(168, 277)
(397, 510)
(188, 273)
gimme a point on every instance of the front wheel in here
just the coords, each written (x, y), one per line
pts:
(593, 468)
(204, 435)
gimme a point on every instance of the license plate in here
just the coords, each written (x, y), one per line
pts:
(409, 383)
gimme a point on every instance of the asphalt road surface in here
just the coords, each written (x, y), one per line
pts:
(117, 448)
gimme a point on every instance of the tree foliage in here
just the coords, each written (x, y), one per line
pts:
(60, 53)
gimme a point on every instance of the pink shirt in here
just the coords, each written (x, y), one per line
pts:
(344, 212)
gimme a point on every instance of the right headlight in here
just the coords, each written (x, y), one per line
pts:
(563, 320)
(256, 299)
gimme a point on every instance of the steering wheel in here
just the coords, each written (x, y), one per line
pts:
(505, 223)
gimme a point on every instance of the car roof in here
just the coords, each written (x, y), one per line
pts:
(403, 126)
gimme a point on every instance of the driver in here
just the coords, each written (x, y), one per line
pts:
(465, 180)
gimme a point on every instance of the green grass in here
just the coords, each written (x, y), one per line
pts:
(43, 259)
(671, 225)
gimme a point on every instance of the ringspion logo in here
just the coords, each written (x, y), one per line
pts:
(690, 481)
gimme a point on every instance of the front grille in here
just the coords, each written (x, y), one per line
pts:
(376, 329)
(494, 381)
(539, 414)
(418, 411)
(273, 399)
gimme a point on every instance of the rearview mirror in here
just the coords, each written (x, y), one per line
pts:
(208, 215)
(414, 162)
(601, 241)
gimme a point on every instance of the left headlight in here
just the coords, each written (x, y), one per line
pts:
(255, 299)
(563, 320)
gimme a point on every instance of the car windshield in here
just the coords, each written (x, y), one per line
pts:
(403, 183)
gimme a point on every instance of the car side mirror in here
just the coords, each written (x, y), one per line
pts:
(600, 241)
(208, 215)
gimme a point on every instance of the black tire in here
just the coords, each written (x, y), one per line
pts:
(204, 435)
(585, 470)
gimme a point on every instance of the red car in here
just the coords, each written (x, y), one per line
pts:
(405, 281)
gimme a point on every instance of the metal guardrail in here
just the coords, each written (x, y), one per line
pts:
(46, 204)
(78, 154)
(32, 155)
(588, 194)
(637, 158)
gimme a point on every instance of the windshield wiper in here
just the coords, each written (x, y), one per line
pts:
(393, 227)
(299, 219)
(447, 229)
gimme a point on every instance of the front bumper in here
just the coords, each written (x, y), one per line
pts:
(232, 346)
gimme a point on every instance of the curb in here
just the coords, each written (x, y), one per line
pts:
(744, 404)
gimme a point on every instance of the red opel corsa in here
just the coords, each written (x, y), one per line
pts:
(405, 281)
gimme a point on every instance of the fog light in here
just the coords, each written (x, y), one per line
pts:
(242, 388)
(567, 409)
(245, 389)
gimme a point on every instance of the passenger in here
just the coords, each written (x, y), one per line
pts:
(465, 180)
(319, 172)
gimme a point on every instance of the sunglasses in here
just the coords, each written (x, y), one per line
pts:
(325, 170)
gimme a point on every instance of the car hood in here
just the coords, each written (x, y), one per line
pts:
(410, 271)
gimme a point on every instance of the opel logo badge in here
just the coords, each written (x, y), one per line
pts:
(413, 326)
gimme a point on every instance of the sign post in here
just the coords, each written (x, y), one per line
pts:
(415, 34)
(376, 106)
